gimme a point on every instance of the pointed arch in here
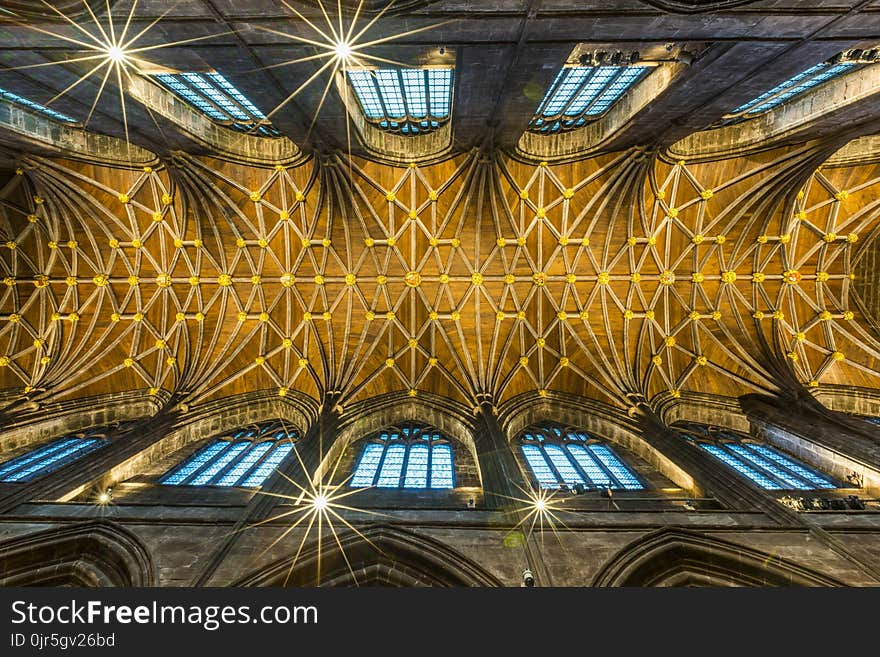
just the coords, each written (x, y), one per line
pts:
(678, 557)
(93, 553)
(378, 556)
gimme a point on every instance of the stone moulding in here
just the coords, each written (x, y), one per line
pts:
(227, 143)
(72, 141)
(787, 122)
(676, 557)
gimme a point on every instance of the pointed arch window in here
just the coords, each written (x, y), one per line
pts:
(243, 458)
(410, 456)
(560, 456)
(214, 96)
(15, 99)
(814, 76)
(581, 94)
(766, 466)
(407, 101)
(53, 455)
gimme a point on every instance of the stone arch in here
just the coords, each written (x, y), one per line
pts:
(214, 418)
(603, 420)
(380, 555)
(45, 422)
(92, 553)
(679, 557)
(704, 408)
(388, 410)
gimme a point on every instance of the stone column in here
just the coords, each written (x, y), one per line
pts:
(713, 478)
(501, 474)
(297, 467)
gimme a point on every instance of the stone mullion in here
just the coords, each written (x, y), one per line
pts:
(82, 472)
(296, 470)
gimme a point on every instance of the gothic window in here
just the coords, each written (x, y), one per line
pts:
(410, 456)
(242, 458)
(214, 96)
(408, 101)
(563, 456)
(53, 455)
(581, 94)
(766, 466)
(36, 107)
(801, 83)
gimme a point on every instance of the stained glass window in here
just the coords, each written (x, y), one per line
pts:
(768, 467)
(243, 458)
(797, 85)
(36, 107)
(412, 456)
(581, 94)
(408, 101)
(215, 97)
(53, 455)
(560, 456)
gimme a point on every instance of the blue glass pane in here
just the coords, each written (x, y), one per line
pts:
(268, 465)
(442, 471)
(216, 465)
(49, 458)
(31, 105)
(224, 84)
(814, 479)
(583, 91)
(244, 464)
(563, 465)
(729, 459)
(414, 88)
(367, 94)
(34, 455)
(627, 78)
(804, 81)
(540, 468)
(417, 467)
(392, 467)
(564, 87)
(598, 477)
(215, 97)
(195, 462)
(408, 101)
(440, 90)
(610, 460)
(392, 97)
(786, 479)
(591, 90)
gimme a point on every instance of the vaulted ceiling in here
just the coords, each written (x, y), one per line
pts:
(633, 271)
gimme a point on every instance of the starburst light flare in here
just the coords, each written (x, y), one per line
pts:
(317, 507)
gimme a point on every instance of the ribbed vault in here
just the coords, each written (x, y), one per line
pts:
(617, 276)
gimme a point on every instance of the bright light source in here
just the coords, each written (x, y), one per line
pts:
(540, 504)
(104, 498)
(320, 502)
(343, 50)
(116, 54)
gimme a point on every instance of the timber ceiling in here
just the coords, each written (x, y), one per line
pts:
(626, 275)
